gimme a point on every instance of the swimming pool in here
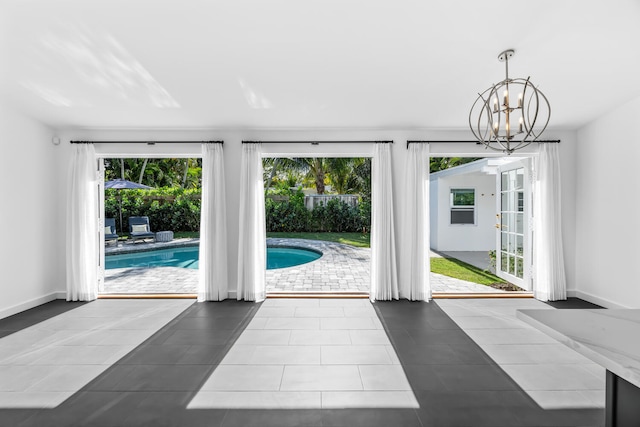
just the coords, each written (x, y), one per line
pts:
(187, 257)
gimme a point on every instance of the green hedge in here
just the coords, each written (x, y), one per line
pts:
(174, 209)
(336, 216)
(177, 209)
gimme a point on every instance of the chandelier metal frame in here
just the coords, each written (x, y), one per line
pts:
(493, 126)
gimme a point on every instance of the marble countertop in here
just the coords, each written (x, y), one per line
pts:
(611, 338)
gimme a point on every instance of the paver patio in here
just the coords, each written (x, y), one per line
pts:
(342, 268)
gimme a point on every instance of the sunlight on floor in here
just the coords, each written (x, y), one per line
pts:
(45, 364)
(553, 375)
(309, 353)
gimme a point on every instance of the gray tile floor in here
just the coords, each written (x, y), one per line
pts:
(342, 268)
(284, 363)
(552, 374)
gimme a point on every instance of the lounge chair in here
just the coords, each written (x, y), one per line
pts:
(110, 230)
(139, 228)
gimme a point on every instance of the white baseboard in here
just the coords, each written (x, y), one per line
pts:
(595, 299)
(18, 308)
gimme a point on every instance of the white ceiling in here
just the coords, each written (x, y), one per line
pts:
(309, 63)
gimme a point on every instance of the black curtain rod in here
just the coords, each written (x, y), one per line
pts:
(316, 142)
(143, 142)
(473, 141)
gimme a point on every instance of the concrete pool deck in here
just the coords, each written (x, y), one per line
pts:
(341, 269)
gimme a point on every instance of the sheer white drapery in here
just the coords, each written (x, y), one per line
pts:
(384, 275)
(252, 251)
(548, 258)
(213, 284)
(414, 252)
(82, 225)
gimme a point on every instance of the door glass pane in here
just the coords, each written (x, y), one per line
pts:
(520, 201)
(519, 179)
(512, 266)
(519, 267)
(519, 223)
(504, 261)
(519, 245)
(505, 181)
(512, 243)
(504, 241)
(505, 201)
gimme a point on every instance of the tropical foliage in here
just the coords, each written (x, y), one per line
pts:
(441, 163)
(183, 173)
(174, 209)
(345, 175)
(289, 214)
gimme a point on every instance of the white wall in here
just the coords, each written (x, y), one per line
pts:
(478, 237)
(29, 209)
(607, 205)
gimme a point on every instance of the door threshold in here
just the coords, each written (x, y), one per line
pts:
(147, 296)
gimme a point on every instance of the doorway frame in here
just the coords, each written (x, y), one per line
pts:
(318, 150)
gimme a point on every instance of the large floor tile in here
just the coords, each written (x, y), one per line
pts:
(383, 377)
(533, 353)
(321, 378)
(256, 400)
(272, 355)
(368, 399)
(244, 378)
(355, 355)
(351, 323)
(369, 337)
(509, 336)
(264, 337)
(276, 311)
(320, 337)
(323, 312)
(553, 377)
(292, 323)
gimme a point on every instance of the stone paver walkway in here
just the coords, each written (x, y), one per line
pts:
(341, 269)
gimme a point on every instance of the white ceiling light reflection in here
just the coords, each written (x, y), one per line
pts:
(255, 99)
(52, 96)
(309, 353)
(98, 62)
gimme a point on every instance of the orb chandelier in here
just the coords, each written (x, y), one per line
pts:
(505, 123)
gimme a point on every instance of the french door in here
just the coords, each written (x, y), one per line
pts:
(513, 252)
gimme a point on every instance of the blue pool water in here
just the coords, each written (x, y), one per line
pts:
(187, 257)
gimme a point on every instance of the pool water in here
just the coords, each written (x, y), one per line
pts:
(187, 257)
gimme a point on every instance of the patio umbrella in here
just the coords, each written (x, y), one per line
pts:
(123, 184)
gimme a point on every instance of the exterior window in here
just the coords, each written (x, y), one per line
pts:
(463, 206)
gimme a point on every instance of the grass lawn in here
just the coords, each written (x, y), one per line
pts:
(461, 270)
(354, 239)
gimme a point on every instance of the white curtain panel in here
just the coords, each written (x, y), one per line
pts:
(252, 251)
(213, 285)
(548, 261)
(384, 275)
(414, 251)
(82, 225)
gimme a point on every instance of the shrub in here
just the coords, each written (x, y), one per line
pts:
(174, 209)
(290, 215)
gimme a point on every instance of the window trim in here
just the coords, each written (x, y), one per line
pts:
(453, 207)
